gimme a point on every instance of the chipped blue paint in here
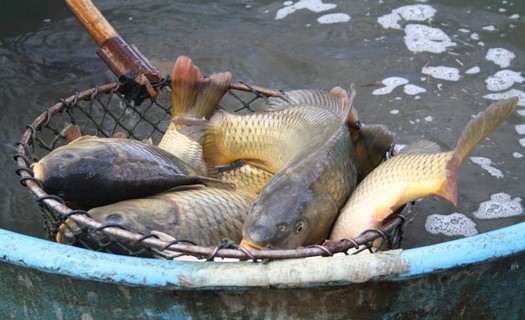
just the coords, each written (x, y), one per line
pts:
(79, 263)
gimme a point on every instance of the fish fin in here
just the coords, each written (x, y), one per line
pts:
(148, 140)
(449, 189)
(71, 132)
(312, 98)
(382, 213)
(215, 183)
(210, 91)
(185, 79)
(211, 148)
(421, 147)
(348, 110)
(120, 135)
(482, 125)
(195, 129)
(371, 145)
(215, 171)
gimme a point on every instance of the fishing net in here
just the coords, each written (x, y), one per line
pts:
(106, 110)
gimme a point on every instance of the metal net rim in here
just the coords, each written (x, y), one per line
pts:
(58, 207)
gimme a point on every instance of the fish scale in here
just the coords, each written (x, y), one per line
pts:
(411, 175)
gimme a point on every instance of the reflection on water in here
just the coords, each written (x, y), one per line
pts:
(423, 70)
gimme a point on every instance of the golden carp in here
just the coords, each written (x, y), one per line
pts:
(204, 215)
(244, 176)
(192, 97)
(417, 171)
(371, 142)
(92, 171)
(300, 203)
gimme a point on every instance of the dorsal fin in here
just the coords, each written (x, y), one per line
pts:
(184, 82)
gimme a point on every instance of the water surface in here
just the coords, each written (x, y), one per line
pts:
(418, 89)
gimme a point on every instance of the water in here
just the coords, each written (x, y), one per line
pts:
(436, 74)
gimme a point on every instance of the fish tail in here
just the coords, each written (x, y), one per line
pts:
(211, 148)
(476, 130)
(348, 112)
(209, 92)
(482, 125)
(185, 80)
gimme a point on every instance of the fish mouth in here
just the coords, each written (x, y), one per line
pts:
(248, 244)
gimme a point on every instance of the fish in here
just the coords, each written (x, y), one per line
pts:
(371, 142)
(192, 97)
(203, 215)
(244, 176)
(92, 171)
(419, 170)
(267, 140)
(300, 203)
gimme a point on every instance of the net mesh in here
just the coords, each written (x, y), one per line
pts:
(103, 111)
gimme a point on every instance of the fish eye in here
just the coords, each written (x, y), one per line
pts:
(299, 227)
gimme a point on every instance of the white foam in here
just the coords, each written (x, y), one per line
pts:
(394, 111)
(522, 142)
(474, 36)
(500, 205)
(464, 30)
(514, 16)
(455, 224)
(486, 164)
(489, 28)
(441, 72)
(521, 112)
(508, 94)
(517, 155)
(520, 128)
(500, 56)
(412, 90)
(390, 84)
(503, 80)
(417, 12)
(333, 18)
(312, 5)
(473, 70)
(429, 118)
(421, 38)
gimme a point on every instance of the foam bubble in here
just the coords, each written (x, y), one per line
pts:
(500, 205)
(521, 112)
(412, 90)
(500, 56)
(522, 142)
(474, 36)
(486, 164)
(489, 28)
(390, 84)
(508, 94)
(421, 38)
(455, 224)
(473, 70)
(429, 118)
(503, 80)
(312, 5)
(394, 111)
(417, 12)
(514, 16)
(333, 18)
(444, 73)
(517, 155)
(520, 128)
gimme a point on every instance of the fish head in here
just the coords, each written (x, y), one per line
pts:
(287, 216)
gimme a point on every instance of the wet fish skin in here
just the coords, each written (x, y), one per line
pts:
(204, 215)
(270, 140)
(414, 174)
(92, 171)
(371, 142)
(299, 205)
(193, 97)
(245, 176)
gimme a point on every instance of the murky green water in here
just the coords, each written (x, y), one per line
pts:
(46, 55)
